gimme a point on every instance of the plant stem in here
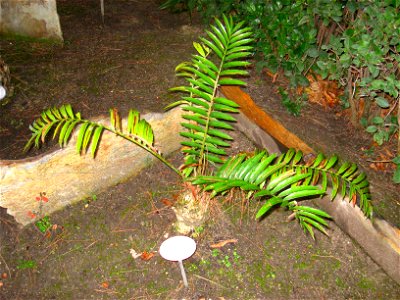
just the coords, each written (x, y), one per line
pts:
(353, 105)
(146, 147)
(398, 123)
(210, 109)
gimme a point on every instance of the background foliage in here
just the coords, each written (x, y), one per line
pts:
(355, 43)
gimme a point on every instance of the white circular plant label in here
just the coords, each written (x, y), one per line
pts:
(178, 248)
(2, 92)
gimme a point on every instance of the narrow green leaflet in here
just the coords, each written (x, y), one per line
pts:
(96, 138)
(270, 203)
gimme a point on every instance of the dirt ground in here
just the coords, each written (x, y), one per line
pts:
(129, 62)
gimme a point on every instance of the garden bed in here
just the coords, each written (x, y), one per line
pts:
(126, 63)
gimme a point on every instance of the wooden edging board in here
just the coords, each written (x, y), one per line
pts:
(378, 238)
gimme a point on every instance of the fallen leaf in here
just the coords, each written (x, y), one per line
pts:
(105, 285)
(167, 202)
(4, 275)
(223, 243)
(146, 255)
(134, 253)
(354, 200)
(323, 92)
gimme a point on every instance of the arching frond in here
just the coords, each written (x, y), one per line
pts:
(62, 121)
(287, 179)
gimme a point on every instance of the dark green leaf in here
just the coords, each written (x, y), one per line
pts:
(314, 224)
(302, 194)
(314, 211)
(226, 102)
(81, 134)
(96, 138)
(268, 172)
(197, 101)
(231, 81)
(237, 55)
(313, 217)
(222, 116)
(267, 206)
(233, 72)
(213, 47)
(382, 102)
(224, 108)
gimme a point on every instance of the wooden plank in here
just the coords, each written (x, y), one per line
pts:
(263, 120)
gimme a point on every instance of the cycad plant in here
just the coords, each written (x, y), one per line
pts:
(281, 180)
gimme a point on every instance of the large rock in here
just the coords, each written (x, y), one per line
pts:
(66, 177)
(34, 18)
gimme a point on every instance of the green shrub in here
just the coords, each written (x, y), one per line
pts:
(364, 60)
(283, 180)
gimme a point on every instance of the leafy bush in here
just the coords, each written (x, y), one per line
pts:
(364, 59)
(284, 180)
(285, 31)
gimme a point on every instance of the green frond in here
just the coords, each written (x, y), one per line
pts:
(219, 60)
(226, 102)
(257, 173)
(222, 116)
(343, 179)
(140, 128)
(228, 169)
(287, 179)
(63, 119)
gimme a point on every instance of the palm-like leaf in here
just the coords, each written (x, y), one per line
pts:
(286, 179)
(207, 114)
(63, 121)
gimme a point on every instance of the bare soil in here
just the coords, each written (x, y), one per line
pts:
(129, 63)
